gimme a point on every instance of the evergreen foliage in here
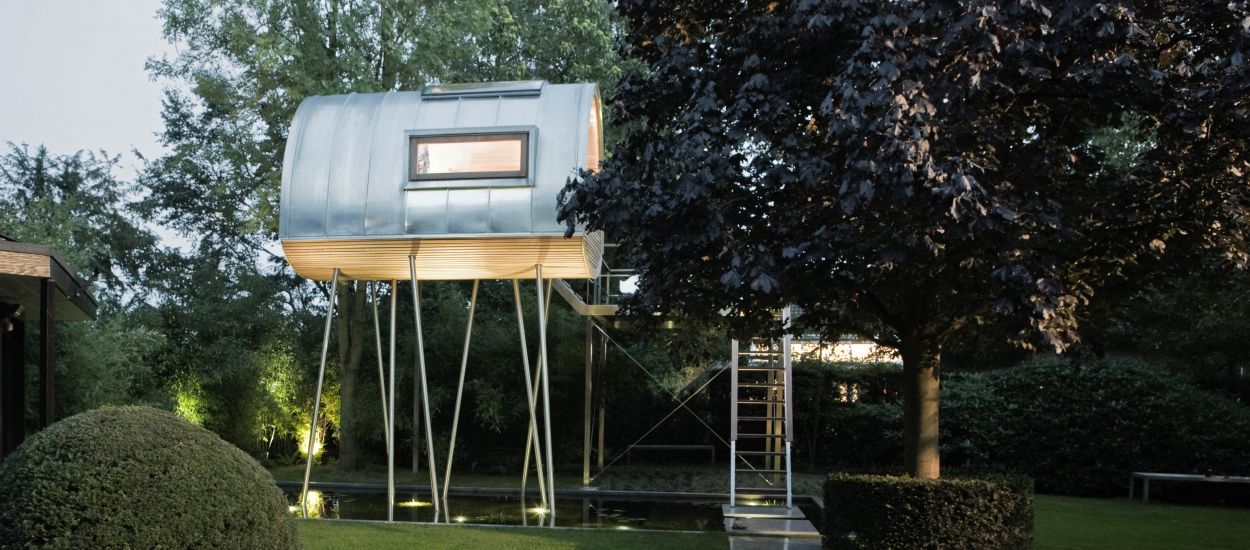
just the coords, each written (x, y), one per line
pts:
(900, 513)
(1080, 428)
(137, 477)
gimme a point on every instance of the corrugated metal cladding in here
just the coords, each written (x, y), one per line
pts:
(346, 174)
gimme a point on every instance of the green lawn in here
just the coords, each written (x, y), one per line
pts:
(1067, 522)
(1061, 523)
(337, 535)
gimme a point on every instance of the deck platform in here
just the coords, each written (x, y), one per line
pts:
(771, 527)
(761, 512)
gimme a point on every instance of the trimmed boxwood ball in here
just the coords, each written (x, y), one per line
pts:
(888, 512)
(138, 477)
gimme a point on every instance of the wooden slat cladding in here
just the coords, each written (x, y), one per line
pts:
(24, 264)
(445, 259)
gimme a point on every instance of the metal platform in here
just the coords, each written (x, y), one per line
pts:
(761, 512)
(771, 527)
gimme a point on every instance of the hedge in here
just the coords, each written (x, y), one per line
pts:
(1081, 428)
(889, 512)
(1077, 428)
(138, 477)
(862, 434)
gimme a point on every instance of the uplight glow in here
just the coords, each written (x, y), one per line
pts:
(414, 503)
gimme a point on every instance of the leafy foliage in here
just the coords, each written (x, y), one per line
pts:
(1081, 428)
(76, 204)
(137, 477)
(903, 169)
(928, 161)
(898, 512)
(241, 70)
(847, 415)
(1194, 320)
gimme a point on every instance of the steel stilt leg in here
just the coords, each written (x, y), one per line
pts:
(531, 436)
(542, 353)
(455, 418)
(377, 332)
(390, 426)
(425, 391)
(321, 374)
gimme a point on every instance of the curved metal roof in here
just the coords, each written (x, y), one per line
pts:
(345, 172)
(359, 194)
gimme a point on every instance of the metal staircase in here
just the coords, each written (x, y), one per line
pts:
(761, 421)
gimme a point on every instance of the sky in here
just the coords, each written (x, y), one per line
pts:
(72, 76)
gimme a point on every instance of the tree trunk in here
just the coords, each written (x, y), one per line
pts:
(351, 336)
(921, 375)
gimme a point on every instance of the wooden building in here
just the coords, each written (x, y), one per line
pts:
(37, 289)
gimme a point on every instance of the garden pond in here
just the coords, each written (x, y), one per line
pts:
(610, 512)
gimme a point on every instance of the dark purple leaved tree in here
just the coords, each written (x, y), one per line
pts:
(900, 169)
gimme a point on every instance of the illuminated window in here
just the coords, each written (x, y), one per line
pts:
(469, 156)
(592, 142)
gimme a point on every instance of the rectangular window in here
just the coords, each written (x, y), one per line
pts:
(469, 156)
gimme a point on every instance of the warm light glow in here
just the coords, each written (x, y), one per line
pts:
(539, 511)
(846, 349)
(313, 502)
(592, 141)
(482, 154)
(414, 503)
(187, 404)
(460, 519)
(622, 527)
(318, 442)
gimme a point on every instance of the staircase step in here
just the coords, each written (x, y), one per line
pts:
(760, 418)
(761, 368)
(758, 453)
(759, 436)
(754, 385)
(758, 471)
(760, 401)
(760, 353)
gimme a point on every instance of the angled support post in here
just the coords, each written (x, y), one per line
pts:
(425, 391)
(546, 376)
(321, 375)
(377, 333)
(455, 418)
(531, 436)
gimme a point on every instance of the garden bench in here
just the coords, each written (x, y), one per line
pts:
(1147, 477)
(711, 450)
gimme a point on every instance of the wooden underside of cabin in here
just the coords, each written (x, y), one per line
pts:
(466, 258)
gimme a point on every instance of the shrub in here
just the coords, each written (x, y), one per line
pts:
(884, 512)
(138, 477)
(831, 429)
(1081, 428)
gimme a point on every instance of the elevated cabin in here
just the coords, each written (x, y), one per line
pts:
(463, 177)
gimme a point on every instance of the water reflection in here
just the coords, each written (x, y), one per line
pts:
(314, 502)
(495, 510)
